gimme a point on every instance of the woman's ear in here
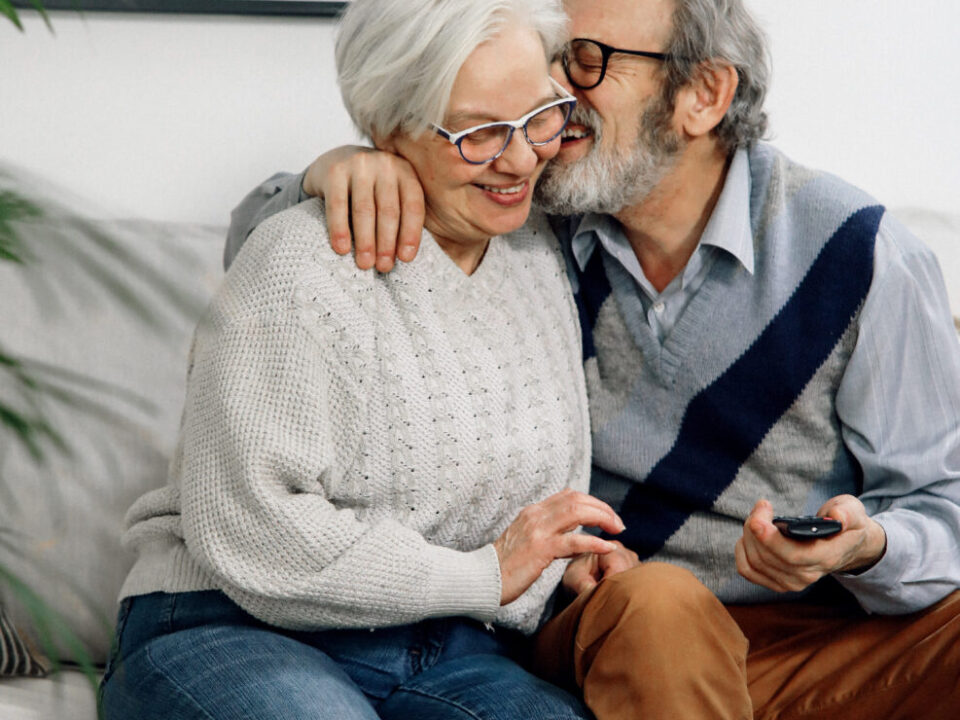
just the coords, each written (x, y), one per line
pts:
(704, 101)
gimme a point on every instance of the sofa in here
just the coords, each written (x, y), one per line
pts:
(105, 316)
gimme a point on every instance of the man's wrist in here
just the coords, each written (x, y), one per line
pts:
(877, 548)
(306, 188)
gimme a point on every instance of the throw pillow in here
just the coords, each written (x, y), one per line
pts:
(15, 656)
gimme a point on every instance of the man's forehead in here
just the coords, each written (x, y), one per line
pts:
(637, 24)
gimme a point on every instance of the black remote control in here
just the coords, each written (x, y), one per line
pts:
(808, 527)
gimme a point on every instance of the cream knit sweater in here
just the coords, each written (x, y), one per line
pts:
(352, 443)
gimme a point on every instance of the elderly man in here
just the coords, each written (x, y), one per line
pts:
(759, 338)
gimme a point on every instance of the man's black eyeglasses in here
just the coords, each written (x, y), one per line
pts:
(585, 61)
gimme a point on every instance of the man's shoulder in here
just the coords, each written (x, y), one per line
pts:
(791, 203)
(778, 179)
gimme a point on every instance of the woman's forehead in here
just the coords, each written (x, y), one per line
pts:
(503, 78)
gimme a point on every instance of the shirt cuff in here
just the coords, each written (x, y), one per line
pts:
(878, 589)
(301, 195)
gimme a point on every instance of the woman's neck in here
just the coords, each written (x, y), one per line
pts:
(466, 254)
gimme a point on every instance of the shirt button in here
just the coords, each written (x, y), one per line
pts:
(658, 307)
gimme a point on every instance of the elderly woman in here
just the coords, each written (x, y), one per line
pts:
(377, 474)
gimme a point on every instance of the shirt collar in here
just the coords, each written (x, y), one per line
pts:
(728, 227)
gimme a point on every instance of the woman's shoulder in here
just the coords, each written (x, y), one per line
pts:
(290, 238)
(288, 256)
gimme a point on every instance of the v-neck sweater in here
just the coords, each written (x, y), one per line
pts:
(353, 442)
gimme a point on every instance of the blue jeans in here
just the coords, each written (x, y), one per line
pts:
(198, 655)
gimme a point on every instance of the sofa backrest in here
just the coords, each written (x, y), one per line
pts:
(941, 232)
(106, 324)
(123, 379)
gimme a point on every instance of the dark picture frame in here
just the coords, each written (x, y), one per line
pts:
(219, 7)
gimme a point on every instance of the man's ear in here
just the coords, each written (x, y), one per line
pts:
(704, 101)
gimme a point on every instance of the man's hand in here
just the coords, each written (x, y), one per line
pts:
(585, 571)
(382, 196)
(767, 558)
(544, 532)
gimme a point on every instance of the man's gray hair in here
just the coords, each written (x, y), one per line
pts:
(397, 60)
(723, 31)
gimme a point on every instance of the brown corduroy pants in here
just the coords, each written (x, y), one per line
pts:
(654, 644)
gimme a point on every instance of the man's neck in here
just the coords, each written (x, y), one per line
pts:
(665, 227)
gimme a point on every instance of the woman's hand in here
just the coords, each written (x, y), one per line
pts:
(543, 532)
(382, 196)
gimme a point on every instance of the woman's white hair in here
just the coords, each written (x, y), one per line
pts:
(397, 60)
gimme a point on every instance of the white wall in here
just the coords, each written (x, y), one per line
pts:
(168, 117)
(870, 89)
(176, 117)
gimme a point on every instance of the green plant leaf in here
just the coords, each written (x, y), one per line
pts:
(15, 209)
(28, 425)
(38, 6)
(6, 9)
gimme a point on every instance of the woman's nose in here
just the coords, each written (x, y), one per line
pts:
(519, 158)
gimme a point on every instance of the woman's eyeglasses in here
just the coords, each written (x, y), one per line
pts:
(484, 143)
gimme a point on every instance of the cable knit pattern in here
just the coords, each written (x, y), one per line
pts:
(352, 442)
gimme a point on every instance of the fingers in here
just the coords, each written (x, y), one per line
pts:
(760, 520)
(754, 570)
(620, 560)
(373, 200)
(387, 195)
(412, 214)
(572, 544)
(568, 509)
(363, 213)
(337, 205)
(845, 508)
(582, 574)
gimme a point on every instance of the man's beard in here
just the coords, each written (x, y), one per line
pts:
(607, 180)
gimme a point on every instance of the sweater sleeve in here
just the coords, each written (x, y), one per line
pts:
(261, 424)
(899, 403)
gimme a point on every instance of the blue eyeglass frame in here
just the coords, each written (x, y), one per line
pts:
(457, 137)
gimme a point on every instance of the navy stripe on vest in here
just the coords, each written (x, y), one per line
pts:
(725, 422)
(594, 290)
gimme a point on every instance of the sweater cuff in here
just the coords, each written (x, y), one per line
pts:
(464, 583)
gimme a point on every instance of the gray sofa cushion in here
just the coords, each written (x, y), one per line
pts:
(65, 696)
(118, 384)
